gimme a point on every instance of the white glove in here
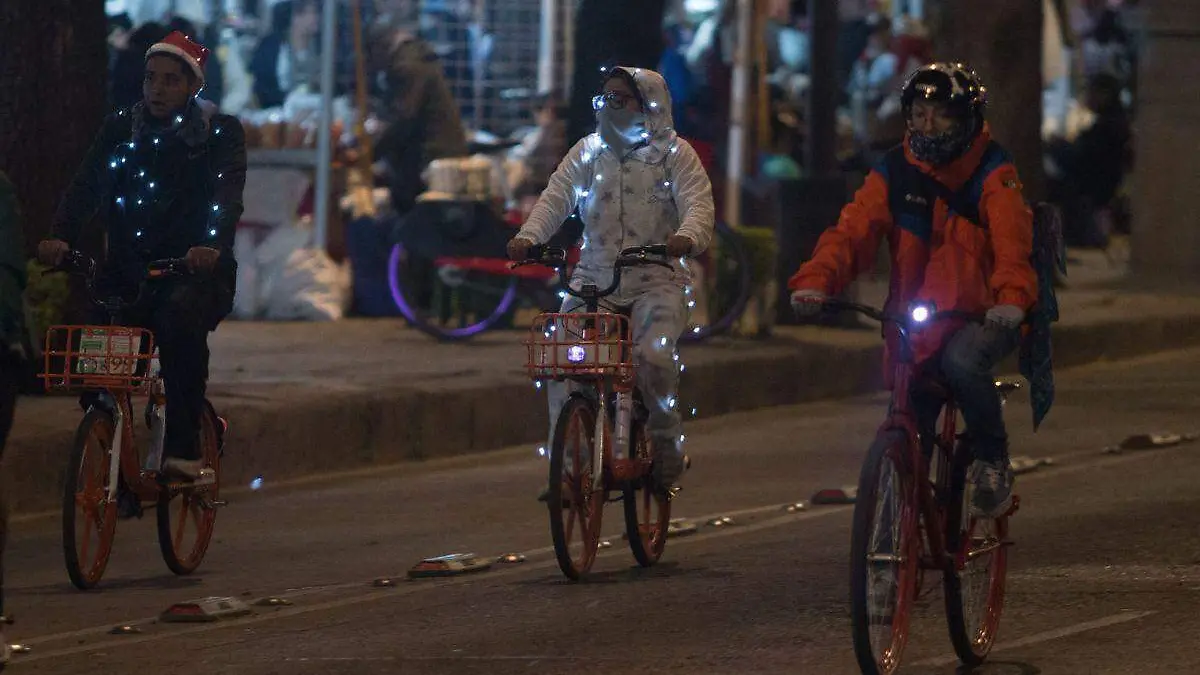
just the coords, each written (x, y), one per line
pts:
(807, 303)
(1007, 316)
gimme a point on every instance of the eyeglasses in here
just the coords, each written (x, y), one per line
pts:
(613, 99)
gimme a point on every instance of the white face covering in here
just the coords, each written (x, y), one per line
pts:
(621, 129)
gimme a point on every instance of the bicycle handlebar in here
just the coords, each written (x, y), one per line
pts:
(634, 256)
(911, 318)
(80, 263)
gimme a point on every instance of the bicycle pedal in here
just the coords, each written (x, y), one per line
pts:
(213, 504)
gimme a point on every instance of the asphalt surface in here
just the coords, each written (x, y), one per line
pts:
(1104, 577)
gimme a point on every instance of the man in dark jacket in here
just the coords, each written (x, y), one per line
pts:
(423, 122)
(12, 287)
(167, 175)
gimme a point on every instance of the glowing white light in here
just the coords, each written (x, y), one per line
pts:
(682, 367)
(691, 303)
(920, 314)
(138, 233)
(112, 164)
(576, 354)
(178, 119)
(257, 483)
(216, 208)
(696, 330)
(156, 141)
(599, 178)
(212, 232)
(671, 402)
(693, 412)
(151, 186)
(667, 184)
(662, 341)
(542, 451)
(587, 156)
(653, 104)
(537, 384)
(562, 295)
(120, 201)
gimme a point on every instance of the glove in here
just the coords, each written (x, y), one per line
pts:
(807, 303)
(1005, 316)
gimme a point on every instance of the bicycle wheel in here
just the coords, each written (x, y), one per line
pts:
(720, 295)
(89, 517)
(575, 507)
(884, 557)
(647, 509)
(444, 302)
(974, 587)
(186, 515)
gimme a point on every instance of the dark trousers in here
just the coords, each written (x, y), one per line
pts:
(181, 313)
(967, 364)
(9, 384)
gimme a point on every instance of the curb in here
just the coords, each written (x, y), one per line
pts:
(311, 432)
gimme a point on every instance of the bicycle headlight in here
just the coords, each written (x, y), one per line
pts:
(920, 313)
(576, 354)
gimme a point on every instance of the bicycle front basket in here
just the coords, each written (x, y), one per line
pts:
(580, 345)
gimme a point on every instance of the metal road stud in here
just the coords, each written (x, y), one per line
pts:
(124, 630)
(720, 522)
(273, 602)
(605, 543)
(512, 558)
(452, 564)
(680, 527)
(796, 507)
(383, 582)
(20, 649)
(205, 610)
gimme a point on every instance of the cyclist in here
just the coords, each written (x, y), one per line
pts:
(167, 175)
(949, 203)
(635, 183)
(12, 351)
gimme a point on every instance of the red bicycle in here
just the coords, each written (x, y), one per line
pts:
(911, 515)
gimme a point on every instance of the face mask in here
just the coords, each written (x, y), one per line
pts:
(621, 129)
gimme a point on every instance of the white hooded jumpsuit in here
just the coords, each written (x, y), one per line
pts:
(657, 189)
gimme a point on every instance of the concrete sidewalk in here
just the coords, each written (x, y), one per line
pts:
(303, 398)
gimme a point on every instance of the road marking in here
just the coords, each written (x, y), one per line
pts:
(408, 588)
(1091, 460)
(1050, 635)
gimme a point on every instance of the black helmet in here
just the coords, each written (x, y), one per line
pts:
(964, 95)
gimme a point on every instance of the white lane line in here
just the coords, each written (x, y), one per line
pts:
(1050, 635)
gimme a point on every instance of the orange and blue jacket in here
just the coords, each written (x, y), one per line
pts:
(951, 261)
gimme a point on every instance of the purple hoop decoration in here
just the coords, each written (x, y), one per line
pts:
(510, 294)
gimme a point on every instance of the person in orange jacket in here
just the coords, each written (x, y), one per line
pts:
(949, 203)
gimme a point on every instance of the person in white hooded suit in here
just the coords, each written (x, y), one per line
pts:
(635, 183)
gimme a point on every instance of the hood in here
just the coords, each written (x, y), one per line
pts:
(660, 123)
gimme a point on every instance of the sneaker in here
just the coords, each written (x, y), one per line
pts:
(992, 482)
(192, 470)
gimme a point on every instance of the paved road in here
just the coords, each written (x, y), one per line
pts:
(1104, 578)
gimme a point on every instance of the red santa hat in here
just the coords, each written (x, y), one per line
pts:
(182, 47)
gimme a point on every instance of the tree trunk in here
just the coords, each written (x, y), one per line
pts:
(617, 32)
(1002, 41)
(53, 75)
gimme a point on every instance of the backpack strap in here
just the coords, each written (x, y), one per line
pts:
(911, 192)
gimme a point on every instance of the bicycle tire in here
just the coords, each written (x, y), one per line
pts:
(888, 448)
(731, 242)
(199, 502)
(972, 644)
(578, 417)
(408, 309)
(645, 527)
(86, 571)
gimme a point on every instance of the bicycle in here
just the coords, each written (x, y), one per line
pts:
(928, 522)
(457, 296)
(106, 467)
(595, 349)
